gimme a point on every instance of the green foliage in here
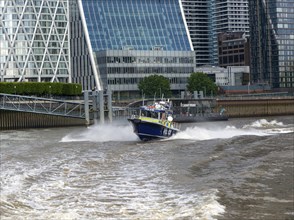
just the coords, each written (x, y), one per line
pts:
(40, 88)
(155, 85)
(201, 82)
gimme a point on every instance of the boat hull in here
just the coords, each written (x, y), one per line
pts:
(148, 131)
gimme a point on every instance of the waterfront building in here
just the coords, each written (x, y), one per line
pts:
(229, 76)
(207, 18)
(127, 40)
(272, 43)
(34, 41)
(233, 49)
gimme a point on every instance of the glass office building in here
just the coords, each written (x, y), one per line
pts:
(272, 42)
(207, 18)
(128, 40)
(34, 41)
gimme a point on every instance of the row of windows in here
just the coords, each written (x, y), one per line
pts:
(227, 46)
(12, 72)
(149, 60)
(224, 52)
(119, 81)
(282, 79)
(14, 17)
(147, 70)
(32, 65)
(231, 59)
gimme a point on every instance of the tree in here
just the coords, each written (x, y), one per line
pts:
(155, 85)
(201, 82)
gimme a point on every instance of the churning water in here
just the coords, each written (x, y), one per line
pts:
(239, 169)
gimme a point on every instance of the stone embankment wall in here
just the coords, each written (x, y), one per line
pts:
(19, 120)
(257, 107)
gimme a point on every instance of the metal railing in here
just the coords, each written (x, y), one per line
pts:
(39, 105)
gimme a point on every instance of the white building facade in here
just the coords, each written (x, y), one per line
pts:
(34, 41)
(230, 76)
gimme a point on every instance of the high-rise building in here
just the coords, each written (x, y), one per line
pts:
(207, 18)
(272, 42)
(34, 40)
(127, 40)
(231, 15)
(198, 19)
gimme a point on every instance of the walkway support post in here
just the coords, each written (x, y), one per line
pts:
(109, 105)
(101, 106)
(95, 100)
(86, 100)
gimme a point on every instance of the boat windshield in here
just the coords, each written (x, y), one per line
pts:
(149, 114)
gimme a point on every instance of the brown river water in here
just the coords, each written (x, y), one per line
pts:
(237, 169)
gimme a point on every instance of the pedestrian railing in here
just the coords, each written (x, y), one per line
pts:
(47, 106)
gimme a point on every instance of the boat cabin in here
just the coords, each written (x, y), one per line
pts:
(156, 111)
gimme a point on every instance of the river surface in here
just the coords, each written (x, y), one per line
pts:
(238, 169)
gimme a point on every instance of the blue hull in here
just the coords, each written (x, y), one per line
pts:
(148, 131)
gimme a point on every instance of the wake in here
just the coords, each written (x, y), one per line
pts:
(124, 133)
(103, 133)
(260, 127)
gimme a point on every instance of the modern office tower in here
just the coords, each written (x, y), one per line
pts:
(231, 15)
(34, 40)
(199, 22)
(207, 18)
(127, 40)
(83, 62)
(233, 49)
(272, 43)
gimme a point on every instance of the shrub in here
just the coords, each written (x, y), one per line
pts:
(40, 88)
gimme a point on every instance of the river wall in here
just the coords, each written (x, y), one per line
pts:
(256, 107)
(20, 120)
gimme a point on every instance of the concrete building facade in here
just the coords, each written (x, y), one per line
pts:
(233, 49)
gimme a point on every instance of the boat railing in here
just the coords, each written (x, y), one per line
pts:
(135, 116)
(170, 124)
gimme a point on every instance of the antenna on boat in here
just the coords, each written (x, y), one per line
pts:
(143, 98)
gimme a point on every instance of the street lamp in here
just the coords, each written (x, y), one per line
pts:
(49, 91)
(14, 90)
(204, 91)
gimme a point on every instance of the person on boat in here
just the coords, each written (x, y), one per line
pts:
(163, 117)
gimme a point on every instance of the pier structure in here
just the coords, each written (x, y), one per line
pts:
(17, 111)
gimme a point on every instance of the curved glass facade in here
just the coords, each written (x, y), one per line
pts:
(136, 25)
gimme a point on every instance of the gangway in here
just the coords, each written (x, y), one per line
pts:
(74, 109)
